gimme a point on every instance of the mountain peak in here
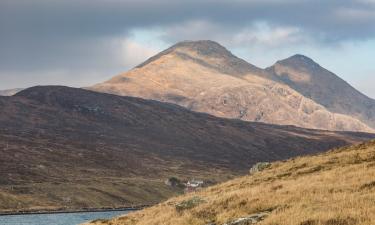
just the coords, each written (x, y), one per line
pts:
(205, 48)
(300, 57)
(202, 47)
(192, 43)
(299, 60)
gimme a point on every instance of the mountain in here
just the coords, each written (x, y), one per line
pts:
(210, 54)
(324, 87)
(334, 188)
(74, 148)
(10, 92)
(204, 76)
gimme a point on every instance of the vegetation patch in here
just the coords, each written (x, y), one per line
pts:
(340, 221)
(370, 185)
(310, 222)
(174, 182)
(282, 175)
(100, 221)
(311, 170)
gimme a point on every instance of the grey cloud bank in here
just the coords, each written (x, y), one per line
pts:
(85, 37)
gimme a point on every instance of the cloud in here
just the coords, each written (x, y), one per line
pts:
(365, 83)
(259, 35)
(114, 17)
(266, 36)
(81, 36)
(353, 15)
(134, 53)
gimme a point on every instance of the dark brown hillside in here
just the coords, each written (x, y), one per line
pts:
(63, 146)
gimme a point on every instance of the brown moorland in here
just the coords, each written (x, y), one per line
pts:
(71, 148)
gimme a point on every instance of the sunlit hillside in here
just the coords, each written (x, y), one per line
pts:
(334, 188)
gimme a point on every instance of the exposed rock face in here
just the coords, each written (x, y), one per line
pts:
(324, 87)
(204, 76)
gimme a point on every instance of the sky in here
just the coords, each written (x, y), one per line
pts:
(82, 42)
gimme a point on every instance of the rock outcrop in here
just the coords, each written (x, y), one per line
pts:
(259, 167)
(248, 220)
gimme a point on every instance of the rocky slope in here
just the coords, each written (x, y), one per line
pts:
(334, 188)
(204, 76)
(74, 148)
(324, 87)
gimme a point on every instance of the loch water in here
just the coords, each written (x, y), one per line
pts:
(58, 218)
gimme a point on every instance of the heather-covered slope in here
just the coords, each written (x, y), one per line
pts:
(334, 188)
(204, 76)
(67, 147)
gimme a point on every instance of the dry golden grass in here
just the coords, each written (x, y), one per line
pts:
(335, 188)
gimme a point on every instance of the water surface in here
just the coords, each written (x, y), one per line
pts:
(58, 218)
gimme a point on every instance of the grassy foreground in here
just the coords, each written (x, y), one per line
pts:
(334, 188)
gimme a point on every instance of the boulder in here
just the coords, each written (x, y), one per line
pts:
(259, 167)
(251, 219)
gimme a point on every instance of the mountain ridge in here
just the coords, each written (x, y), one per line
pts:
(204, 76)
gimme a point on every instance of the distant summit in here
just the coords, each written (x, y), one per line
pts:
(299, 60)
(324, 87)
(206, 77)
(10, 92)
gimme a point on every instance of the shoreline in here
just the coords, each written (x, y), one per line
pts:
(60, 211)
